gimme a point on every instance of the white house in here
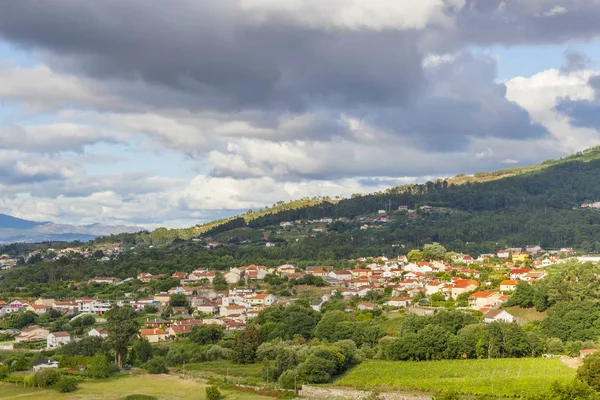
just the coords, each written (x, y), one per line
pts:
(480, 300)
(233, 276)
(398, 302)
(434, 287)
(93, 306)
(261, 299)
(341, 275)
(201, 274)
(497, 315)
(98, 332)
(503, 253)
(41, 364)
(227, 311)
(56, 339)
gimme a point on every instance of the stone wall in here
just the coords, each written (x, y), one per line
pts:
(313, 392)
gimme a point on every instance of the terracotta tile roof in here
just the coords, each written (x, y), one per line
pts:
(150, 331)
(481, 295)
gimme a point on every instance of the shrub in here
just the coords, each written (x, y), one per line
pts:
(212, 393)
(138, 397)
(66, 384)
(157, 365)
(286, 380)
(589, 372)
(3, 371)
(217, 352)
(99, 368)
(47, 377)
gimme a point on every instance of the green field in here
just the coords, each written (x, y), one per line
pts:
(250, 373)
(163, 387)
(526, 314)
(498, 377)
(393, 323)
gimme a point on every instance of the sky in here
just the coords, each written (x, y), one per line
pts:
(153, 113)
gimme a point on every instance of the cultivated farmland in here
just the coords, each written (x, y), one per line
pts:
(498, 377)
(163, 387)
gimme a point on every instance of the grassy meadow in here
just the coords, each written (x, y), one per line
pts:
(163, 387)
(222, 369)
(497, 377)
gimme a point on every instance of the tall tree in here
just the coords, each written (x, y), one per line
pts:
(122, 329)
(245, 345)
(219, 282)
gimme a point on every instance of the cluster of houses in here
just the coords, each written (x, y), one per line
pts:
(81, 305)
(232, 309)
(53, 339)
(7, 262)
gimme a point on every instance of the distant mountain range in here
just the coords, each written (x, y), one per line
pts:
(21, 230)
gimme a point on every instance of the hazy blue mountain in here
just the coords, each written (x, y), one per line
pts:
(21, 230)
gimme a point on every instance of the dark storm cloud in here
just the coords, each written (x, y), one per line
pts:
(527, 21)
(20, 172)
(583, 113)
(461, 102)
(208, 49)
(210, 55)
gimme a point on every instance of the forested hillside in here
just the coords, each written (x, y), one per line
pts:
(519, 206)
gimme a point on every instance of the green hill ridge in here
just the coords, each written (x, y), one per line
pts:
(536, 204)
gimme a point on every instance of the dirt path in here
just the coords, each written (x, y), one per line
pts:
(571, 362)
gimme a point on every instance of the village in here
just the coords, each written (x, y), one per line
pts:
(398, 283)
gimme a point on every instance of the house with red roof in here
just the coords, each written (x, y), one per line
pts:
(460, 286)
(228, 311)
(508, 285)
(479, 300)
(261, 299)
(32, 334)
(341, 275)
(366, 306)
(398, 302)
(519, 273)
(154, 335)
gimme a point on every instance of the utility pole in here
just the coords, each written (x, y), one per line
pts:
(295, 387)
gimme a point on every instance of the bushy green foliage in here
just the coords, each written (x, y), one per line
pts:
(219, 282)
(575, 389)
(245, 346)
(47, 377)
(206, 334)
(212, 393)
(87, 346)
(4, 371)
(123, 328)
(139, 397)
(589, 371)
(100, 368)
(157, 365)
(66, 384)
(143, 350)
(454, 334)
(286, 322)
(178, 300)
(573, 320)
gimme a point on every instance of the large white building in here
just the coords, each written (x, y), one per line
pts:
(56, 339)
